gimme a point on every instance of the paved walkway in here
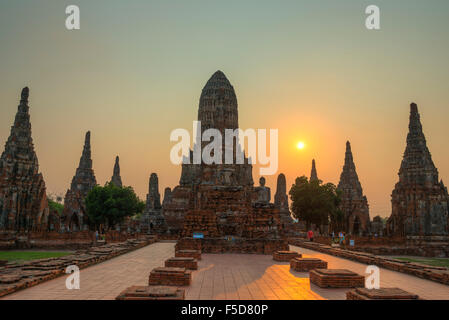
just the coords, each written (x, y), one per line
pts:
(426, 289)
(105, 280)
(220, 276)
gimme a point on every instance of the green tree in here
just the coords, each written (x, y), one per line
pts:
(55, 206)
(314, 202)
(109, 205)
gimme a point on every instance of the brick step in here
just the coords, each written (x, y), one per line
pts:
(188, 253)
(307, 264)
(380, 294)
(151, 293)
(170, 276)
(285, 256)
(336, 278)
(182, 262)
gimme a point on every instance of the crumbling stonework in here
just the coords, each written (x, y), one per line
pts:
(419, 200)
(354, 204)
(116, 179)
(23, 199)
(74, 214)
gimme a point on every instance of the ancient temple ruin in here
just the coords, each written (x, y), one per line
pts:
(23, 199)
(116, 179)
(74, 215)
(153, 219)
(419, 200)
(222, 205)
(354, 204)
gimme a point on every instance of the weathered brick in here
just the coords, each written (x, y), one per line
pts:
(336, 278)
(182, 262)
(170, 276)
(307, 264)
(151, 293)
(380, 294)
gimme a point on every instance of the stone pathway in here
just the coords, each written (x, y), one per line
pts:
(426, 289)
(105, 280)
(220, 276)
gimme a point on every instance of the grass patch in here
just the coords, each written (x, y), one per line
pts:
(30, 255)
(437, 262)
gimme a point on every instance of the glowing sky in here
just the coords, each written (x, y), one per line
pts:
(135, 70)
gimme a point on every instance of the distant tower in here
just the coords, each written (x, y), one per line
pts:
(116, 178)
(354, 204)
(313, 173)
(153, 217)
(419, 200)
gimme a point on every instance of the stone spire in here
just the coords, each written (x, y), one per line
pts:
(281, 201)
(354, 204)
(23, 200)
(349, 180)
(218, 109)
(417, 165)
(280, 198)
(167, 196)
(218, 104)
(153, 217)
(419, 200)
(313, 173)
(116, 178)
(153, 197)
(19, 146)
(83, 181)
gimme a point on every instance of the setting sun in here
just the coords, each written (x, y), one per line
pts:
(300, 145)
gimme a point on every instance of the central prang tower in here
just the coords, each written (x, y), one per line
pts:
(218, 109)
(219, 201)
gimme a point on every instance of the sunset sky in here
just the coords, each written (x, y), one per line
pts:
(135, 70)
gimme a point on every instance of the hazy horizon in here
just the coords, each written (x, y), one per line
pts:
(135, 70)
